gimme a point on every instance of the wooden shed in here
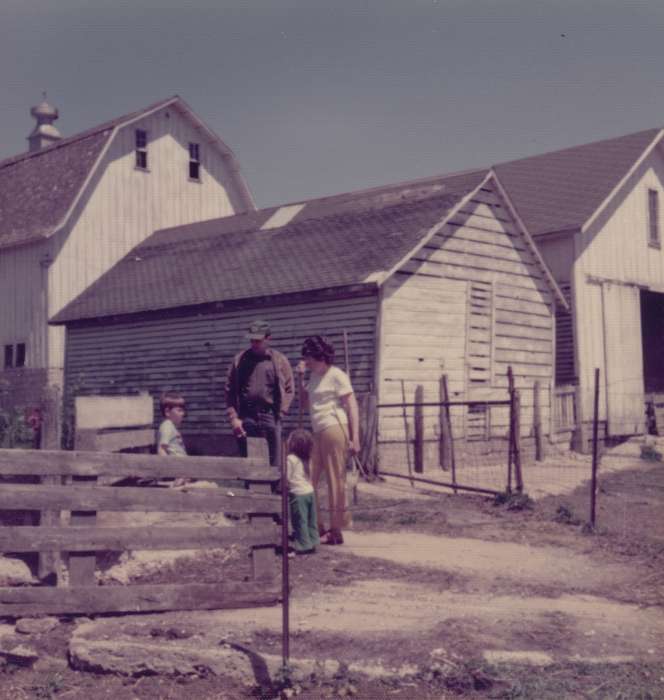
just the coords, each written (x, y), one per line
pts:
(424, 277)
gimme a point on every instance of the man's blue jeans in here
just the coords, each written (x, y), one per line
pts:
(264, 425)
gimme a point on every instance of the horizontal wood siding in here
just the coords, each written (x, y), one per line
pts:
(124, 205)
(192, 352)
(23, 295)
(470, 303)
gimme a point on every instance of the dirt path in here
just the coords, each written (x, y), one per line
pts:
(484, 607)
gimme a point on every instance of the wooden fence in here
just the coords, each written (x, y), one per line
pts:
(255, 510)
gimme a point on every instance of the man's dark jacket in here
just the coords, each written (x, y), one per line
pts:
(284, 375)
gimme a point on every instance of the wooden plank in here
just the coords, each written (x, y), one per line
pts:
(50, 563)
(20, 496)
(81, 539)
(20, 601)
(92, 440)
(94, 412)
(60, 462)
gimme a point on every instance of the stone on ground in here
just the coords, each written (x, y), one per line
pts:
(14, 572)
(36, 625)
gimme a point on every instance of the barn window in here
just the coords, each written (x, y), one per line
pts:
(194, 162)
(653, 218)
(141, 140)
(20, 355)
(9, 356)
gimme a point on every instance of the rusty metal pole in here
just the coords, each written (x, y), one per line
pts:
(285, 583)
(510, 451)
(593, 487)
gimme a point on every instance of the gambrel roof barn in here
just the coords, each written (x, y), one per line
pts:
(70, 208)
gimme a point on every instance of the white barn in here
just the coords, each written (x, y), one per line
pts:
(595, 213)
(70, 208)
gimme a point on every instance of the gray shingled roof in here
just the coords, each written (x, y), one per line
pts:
(561, 190)
(332, 242)
(38, 188)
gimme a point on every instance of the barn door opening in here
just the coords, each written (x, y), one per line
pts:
(652, 325)
(624, 359)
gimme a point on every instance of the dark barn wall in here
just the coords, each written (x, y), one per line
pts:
(191, 352)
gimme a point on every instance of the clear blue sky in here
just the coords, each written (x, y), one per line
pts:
(320, 97)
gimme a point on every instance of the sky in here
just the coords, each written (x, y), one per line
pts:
(318, 98)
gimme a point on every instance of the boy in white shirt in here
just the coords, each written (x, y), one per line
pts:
(169, 437)
(301, 493)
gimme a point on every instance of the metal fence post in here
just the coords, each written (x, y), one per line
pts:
(593, 487)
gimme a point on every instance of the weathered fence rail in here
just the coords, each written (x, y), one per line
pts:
(256, 512)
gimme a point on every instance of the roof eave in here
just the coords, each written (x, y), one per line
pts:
(647, 151)
(531, 243)
(381, 277)
(355, 288)
(227, 153)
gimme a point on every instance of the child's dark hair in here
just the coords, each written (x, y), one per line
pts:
(170, 399)
(300, 443)
(319, 348)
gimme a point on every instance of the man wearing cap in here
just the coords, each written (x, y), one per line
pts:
(259, 391)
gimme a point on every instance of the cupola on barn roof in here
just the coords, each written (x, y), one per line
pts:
(44, 133)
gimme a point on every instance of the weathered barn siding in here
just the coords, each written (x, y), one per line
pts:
(472, 302)
(23, 295)
(123, 205)
(614, 260)
(191, 352)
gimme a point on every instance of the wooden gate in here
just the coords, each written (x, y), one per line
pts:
(255, 511)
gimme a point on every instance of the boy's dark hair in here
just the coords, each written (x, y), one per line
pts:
(300, 443)
(319, 348)
(170, 399)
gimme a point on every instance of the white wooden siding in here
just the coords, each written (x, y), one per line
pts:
(124, 205)
(471, 303)
(23, 295)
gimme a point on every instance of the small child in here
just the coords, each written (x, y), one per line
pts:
(301, 492)
(169, 438)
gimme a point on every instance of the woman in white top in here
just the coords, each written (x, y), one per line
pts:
(335, 425)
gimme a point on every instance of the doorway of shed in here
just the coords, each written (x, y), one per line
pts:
(652, 325)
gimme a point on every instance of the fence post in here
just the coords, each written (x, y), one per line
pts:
(593, 487)
(419, 429)
(50, 440)
(537, 422)
(510, 449)
(580, 435)
(406, 429)
(262, 558)
(518, 476)
(446, 456)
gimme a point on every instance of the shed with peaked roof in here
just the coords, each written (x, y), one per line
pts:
(70, 208)
(425, 278)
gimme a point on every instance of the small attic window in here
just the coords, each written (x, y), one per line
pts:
(194, 162)
(20, 355)
(653, 219)
(141, 141)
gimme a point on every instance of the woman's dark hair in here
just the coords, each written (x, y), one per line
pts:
(300, 443)
(319, 348)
